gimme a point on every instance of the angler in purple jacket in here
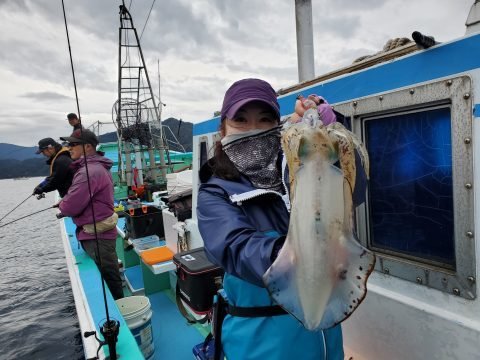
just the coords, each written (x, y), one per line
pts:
(77, 205)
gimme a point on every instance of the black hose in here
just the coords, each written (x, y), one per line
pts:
(423, 41)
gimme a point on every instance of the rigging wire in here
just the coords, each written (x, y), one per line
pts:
(109, 325)
(148, 17)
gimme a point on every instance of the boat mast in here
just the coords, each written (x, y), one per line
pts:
(137, 116)
(305, 54)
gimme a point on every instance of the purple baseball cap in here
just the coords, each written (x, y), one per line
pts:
(246, 90)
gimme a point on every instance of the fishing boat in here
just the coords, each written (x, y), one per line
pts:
(415, 109)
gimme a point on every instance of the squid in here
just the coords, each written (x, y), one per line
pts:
(321, 272)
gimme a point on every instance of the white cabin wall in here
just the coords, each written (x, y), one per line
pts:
(195, 171)
(473, 19)
(192, 224)
(196, 166)
(400, 319)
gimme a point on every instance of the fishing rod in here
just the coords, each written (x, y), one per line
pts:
(23, 217)
(28, 197)
(111, 327)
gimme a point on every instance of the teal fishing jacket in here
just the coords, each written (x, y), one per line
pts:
(240, 226)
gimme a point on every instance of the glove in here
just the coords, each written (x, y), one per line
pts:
(37, 191)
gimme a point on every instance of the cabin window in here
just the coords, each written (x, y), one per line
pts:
(419, 213)
(411, 189)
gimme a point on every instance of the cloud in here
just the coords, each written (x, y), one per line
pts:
(342, 26)
(46, 96)
(353, 6)
(20, 4)
(202, 46)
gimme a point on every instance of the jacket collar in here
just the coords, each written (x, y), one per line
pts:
(243, 190)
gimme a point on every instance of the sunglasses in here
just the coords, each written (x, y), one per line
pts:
(72, 144)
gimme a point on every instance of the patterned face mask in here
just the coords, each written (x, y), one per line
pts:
(255, 154)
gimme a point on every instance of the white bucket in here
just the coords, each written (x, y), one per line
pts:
(137, 314)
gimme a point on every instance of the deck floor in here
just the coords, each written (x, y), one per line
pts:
(174, 338)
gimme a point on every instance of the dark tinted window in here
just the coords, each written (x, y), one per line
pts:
(410, 190)
(203, 153)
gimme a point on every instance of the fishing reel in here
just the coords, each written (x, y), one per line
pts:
(40, 196)
(109, 330)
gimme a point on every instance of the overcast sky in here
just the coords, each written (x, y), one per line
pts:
(203, 46)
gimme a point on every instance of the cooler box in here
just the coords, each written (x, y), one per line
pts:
(196, 277)
(144, 221)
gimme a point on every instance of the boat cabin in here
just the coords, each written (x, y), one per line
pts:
(416, 112)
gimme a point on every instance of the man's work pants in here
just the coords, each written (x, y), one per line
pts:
(109, 263)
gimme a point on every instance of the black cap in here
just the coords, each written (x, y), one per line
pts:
(82, 136)
(44, 144)
(72, 116)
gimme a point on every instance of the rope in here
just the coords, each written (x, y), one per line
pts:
(389, 45)
(86, 167)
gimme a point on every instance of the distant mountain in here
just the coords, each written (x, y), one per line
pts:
(9, 151)
(13, 168)
(21, 161)
(108, 137)
(182, 130)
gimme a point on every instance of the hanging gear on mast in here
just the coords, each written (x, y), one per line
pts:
(136, 114)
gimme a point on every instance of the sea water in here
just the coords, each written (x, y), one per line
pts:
(37, 311)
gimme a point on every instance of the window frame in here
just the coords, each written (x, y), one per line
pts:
(455, 93)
